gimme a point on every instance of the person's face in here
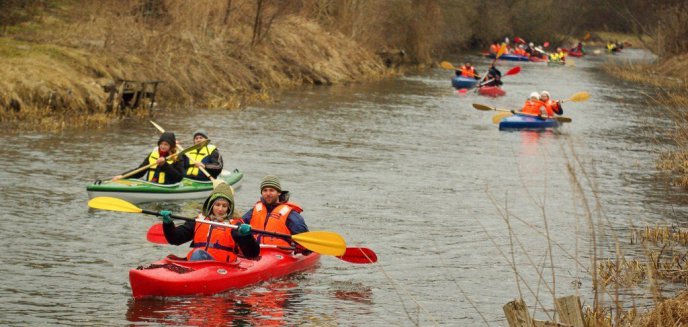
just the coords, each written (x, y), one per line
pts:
(164, 146)
(199, 138)
(220, 207)
(544, 98)
(270, 195)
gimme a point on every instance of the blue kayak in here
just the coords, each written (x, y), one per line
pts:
(460, 82)
(509, 57)
(521, 122)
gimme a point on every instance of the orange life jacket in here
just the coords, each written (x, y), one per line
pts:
(216, 240)
(276, 222)
(467, 72)
(494, 48)
(532, 107)
(552, 107)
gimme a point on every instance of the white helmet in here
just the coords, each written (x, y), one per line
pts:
(534, 95)
(544, 93)
(531, 44)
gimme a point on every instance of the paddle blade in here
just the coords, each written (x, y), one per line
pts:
(501, 51)
(482, 107)
(519, 40)
(563, 119)
(322, 242)
(513, 71)
(546, 44)
(498, 117)
(160, 129)
(156, 235)
(359, 255)
(462, 91)
(587, 36)
(579, 97)
(112, 204)
(218, 182)
(446, 65)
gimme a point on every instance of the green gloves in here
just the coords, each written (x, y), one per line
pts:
(166, 216)
(244, 229)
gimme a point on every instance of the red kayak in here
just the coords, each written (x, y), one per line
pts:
(175, 276)
(491, 91)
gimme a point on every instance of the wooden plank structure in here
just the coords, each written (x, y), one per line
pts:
(568, 309)
(130, 94)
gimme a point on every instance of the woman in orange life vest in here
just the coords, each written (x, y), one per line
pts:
(274, 213)
(210, 242)
(467, 71)
(165, 171)
(533, 106)
(550, 105)
(207, 157)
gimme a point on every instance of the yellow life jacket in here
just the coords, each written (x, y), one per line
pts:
(198, 156)
(151, 175)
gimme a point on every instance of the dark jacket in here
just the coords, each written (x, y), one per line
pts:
(176, 235)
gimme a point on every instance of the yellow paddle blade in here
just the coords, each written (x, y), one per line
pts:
(482, 107)
(501, 50)
(112, 204)
(580, 96)
(498, 117)
(328, 243)
(447, 65)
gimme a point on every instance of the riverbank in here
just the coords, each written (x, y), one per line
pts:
(55, 69)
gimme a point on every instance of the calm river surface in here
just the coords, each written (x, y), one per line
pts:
(405, 167)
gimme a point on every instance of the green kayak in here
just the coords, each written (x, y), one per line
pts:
(137, 190)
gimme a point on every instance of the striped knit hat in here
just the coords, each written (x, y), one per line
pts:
(271, 181)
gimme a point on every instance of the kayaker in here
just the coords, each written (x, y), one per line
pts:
(210, 242)
(493, 78)
(467, 71)
(165, 171)
(207, 157)
(551, 105)
(273, 212)
(534, 106)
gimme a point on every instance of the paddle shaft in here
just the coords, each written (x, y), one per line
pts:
(140, 169)
(214, 223)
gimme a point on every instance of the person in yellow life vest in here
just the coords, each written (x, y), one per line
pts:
(533, 106)
(467, 71)
(552, 107)
(274, 213)
(207, 157)
(164, 171)
(212, 242)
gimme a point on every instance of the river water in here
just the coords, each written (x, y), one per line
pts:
(405, 167)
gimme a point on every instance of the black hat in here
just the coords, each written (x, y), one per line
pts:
(169, 138)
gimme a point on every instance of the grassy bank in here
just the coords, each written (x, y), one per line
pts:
(54, 67)
(668, 82)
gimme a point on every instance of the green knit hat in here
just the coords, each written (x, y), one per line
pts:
(223, 191)
(271, 181)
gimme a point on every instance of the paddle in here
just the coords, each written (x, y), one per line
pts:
(478, 106)
(180, 152)
(322, 242)
(578, 97)
(352, 254)
(216, 182)
(512, 71)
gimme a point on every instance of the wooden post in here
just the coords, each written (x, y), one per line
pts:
(517, 314)
(569, 309)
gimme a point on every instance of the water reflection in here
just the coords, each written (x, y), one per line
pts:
(259, 306)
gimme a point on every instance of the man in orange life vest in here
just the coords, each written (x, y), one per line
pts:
(551, 105)
(212, 242)
(273, 212)
(467, 71)
(533, 106)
